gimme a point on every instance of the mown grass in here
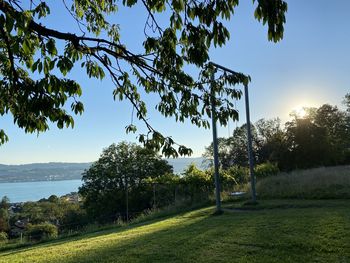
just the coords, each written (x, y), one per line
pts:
(319, 183)
(280, 231)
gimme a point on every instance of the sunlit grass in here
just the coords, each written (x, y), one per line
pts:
(302, 232)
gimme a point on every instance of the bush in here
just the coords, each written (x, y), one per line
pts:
(41, 231)
(239, 173)
(266, 169)
(3, 237)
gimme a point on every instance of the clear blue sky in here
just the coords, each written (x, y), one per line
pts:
(311, 66)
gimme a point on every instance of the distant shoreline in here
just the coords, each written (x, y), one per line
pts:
(60, 171)
(39, 181)
(33, 191)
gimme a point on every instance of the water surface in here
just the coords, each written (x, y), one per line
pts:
(34, 191)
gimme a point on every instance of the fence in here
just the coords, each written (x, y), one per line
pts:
(162, 196)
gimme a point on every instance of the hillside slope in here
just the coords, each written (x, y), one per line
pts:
(302, 232)
(41, 172)
(68, 171)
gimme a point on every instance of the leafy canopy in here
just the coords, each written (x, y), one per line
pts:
(121, 168)
(28, 48)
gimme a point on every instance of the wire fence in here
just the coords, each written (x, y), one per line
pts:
(163, 196)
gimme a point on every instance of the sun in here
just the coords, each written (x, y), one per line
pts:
(300, 111)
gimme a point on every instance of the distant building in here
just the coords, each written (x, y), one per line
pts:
(72, 197)
(19, 227)
(14, 208)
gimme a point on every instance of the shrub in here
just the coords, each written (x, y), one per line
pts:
(239, 173)
(266, 169)
(41, 231)
(3, 237)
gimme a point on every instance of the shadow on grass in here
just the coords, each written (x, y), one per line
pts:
(227, 238)
(286, 204)
(287, 235)
(88, 235)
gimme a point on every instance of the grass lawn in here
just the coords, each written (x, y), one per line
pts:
(277, 231)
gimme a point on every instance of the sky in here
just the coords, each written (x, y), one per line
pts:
(309, 67)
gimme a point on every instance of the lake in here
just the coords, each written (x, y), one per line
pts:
(34, 191)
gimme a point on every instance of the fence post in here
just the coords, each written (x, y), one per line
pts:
(127, 200)
(154, 196)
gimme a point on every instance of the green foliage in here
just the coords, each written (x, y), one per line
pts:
(272, 13)
(39, 212)
(228, 181)
(347, 102)
(41, 231)
(4, 215)
(321, 138)
(68, 216)
(233, 150)
(27, 46)
(196, 177)
(75, 218)
(53, 199)
(265, 169)
(3, 237)
(199, 184)
(239, 173)
(168, 179)
(121, 175)
(4, 220)
(5, 202)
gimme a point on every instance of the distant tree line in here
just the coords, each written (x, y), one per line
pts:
(319, 138)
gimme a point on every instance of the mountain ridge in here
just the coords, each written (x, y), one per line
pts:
(56, 171)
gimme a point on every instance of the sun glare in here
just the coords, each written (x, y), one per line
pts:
(300, 111)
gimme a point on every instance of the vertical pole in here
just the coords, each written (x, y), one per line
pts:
(215, 147)
(154, 196)
(127, 199)
(250, 146)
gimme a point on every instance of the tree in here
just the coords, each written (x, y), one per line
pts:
(320, 138)
(308, 143)
(271, 142)
(347, 102)
(4, 215)
(53, 199)
(233, 150)
(57, 211)
(119, 177)
(200, 183)
(223, 151)
(28, 46)
(5, 202)
(337, 127)
(4, 220)
(41, 231)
